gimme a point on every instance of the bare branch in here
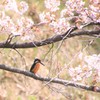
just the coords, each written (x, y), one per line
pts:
(70, 33)
(55, 80)
(49, 50)
(49, 40)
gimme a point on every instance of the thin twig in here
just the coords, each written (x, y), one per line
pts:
(68, 64)
(23, 59)
(52, 45)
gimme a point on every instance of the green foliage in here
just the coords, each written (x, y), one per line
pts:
(32, 98)
(19, 98)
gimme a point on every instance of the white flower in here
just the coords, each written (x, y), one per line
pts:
(60, 25)
(63, 12)
(46, 17)
(93, 61)
(11, 5)
(52, 5)
(23, 7)
(80, 55)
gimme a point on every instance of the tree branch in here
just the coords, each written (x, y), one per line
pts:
(55, 80)
(49, 40)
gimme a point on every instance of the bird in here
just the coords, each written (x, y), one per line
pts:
(36, 65)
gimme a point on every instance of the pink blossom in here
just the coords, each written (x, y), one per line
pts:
(60, 26)
(93, 61)
(11, 5)
(86, 70)
(23, 7)
(95, 1)
(80, 72)
(72, 5)
(46, 17)
(80, 55)
(75, 73)
(52, 5)
(66, 12)
(6, 24)
(25, 21)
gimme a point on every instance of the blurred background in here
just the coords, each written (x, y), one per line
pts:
(18, 87)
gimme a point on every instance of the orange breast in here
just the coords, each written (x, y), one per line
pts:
(36, 68)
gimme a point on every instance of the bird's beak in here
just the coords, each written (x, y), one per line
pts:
(42, 63)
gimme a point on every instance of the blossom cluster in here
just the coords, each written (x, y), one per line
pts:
(91, 68)
(71, 14)
(20, 26)
(12, 5)
(59, 20)
(52, 5)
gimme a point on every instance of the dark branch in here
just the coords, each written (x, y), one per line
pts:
(55, 80)
(70, 33)
(49, 40)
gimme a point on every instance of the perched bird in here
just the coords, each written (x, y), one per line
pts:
(35, 66)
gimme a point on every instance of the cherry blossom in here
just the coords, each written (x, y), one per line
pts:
(6, 24)
(60, 26)
(91, 68)
(58, 23)
(23, 7)
(46, 17)
(93, 61)
(10, 5)
(75, 73)
(52, 5)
